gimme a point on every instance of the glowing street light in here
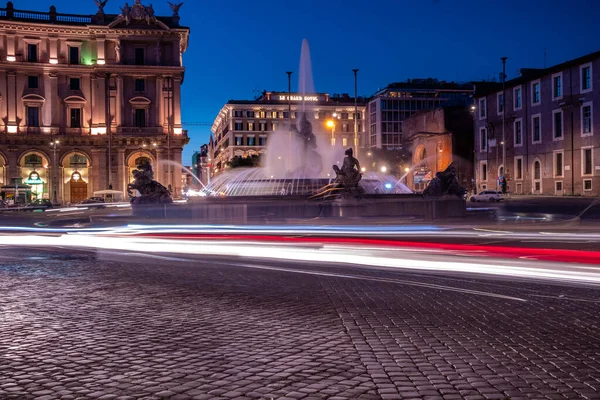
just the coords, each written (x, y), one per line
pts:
(406, 169)
(383, 169)
(331, 124)
(363, 169)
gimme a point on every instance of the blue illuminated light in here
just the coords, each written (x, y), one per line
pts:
(388, 186)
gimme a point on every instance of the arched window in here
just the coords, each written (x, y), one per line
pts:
(33, 161)
(142, 160)
(536, 170)
(78, 161)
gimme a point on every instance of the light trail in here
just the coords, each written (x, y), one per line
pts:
(351, 254)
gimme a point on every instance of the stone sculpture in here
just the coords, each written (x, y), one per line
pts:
(175, 8)
(101, 5)
(151, 192)
(445, 183)
(312, 164)
(349, 175)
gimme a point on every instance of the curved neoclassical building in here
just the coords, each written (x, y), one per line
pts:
(63, 77)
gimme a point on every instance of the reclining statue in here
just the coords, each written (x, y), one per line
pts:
(151, 192)
(349, 175)
(445, 183)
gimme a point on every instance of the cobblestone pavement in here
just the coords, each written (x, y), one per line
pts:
(89, 326)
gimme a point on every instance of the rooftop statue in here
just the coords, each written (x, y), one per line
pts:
(175, 8)
(101, 4)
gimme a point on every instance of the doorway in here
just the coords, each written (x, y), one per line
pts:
(79, 188)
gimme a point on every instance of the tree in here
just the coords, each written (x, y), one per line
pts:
(394, 161)
(244, 162)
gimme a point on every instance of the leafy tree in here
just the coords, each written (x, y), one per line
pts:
(244, 162)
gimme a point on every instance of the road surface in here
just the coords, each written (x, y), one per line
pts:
(117, 324)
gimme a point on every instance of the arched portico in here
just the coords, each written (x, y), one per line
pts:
(3, 169)
(34, 168)
(76, 176)
(134, 159)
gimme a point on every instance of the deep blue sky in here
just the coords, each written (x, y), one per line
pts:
(239, 46)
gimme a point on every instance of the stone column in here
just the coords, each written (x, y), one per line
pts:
(99, 96)
(53, 51)
(159, 102)
(10, 45)
(11, 94)
(49, 103)
(99, 173)
(12, 170)
(176, 171)
(119, 101)
(177, 101)
(122, 171)
(158, 168)
(101, 49)
(55, 116)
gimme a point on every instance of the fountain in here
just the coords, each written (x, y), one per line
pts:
(298, 160)
(297, 180)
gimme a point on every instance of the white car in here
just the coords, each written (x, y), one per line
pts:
(487, 195)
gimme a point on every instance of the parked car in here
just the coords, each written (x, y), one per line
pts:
(39, 204)
(93, 202)
(488, 195)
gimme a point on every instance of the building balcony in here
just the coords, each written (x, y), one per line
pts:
(134, 130)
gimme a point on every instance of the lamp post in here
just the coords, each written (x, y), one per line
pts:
(289, 74)
(108, 130)
(503, 116)
(355, 71)
(54, 145)
(331, 124)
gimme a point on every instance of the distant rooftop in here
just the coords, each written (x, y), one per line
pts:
(281, 98)
(529, 74)
(424, 85)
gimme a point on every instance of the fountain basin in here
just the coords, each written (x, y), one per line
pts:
(257, 209)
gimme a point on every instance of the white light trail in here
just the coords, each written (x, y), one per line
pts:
(393, 258)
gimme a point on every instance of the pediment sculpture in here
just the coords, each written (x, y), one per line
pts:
(136, 13)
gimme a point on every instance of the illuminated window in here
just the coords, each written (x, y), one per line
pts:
(33, 161)
(78, 161)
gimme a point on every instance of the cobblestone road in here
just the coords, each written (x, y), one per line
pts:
(91, 327)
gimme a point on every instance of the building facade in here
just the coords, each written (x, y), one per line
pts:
(84, 98)
(548, 121)
(438, 138)
(201, 167)
(243, 127)
(388, 107)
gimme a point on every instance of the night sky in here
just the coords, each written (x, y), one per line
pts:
(238, 47)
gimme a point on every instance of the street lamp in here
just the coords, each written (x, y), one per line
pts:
(355, 71)
(383, 169)
(331, 124)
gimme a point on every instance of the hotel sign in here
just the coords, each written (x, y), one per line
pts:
(299, 97)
